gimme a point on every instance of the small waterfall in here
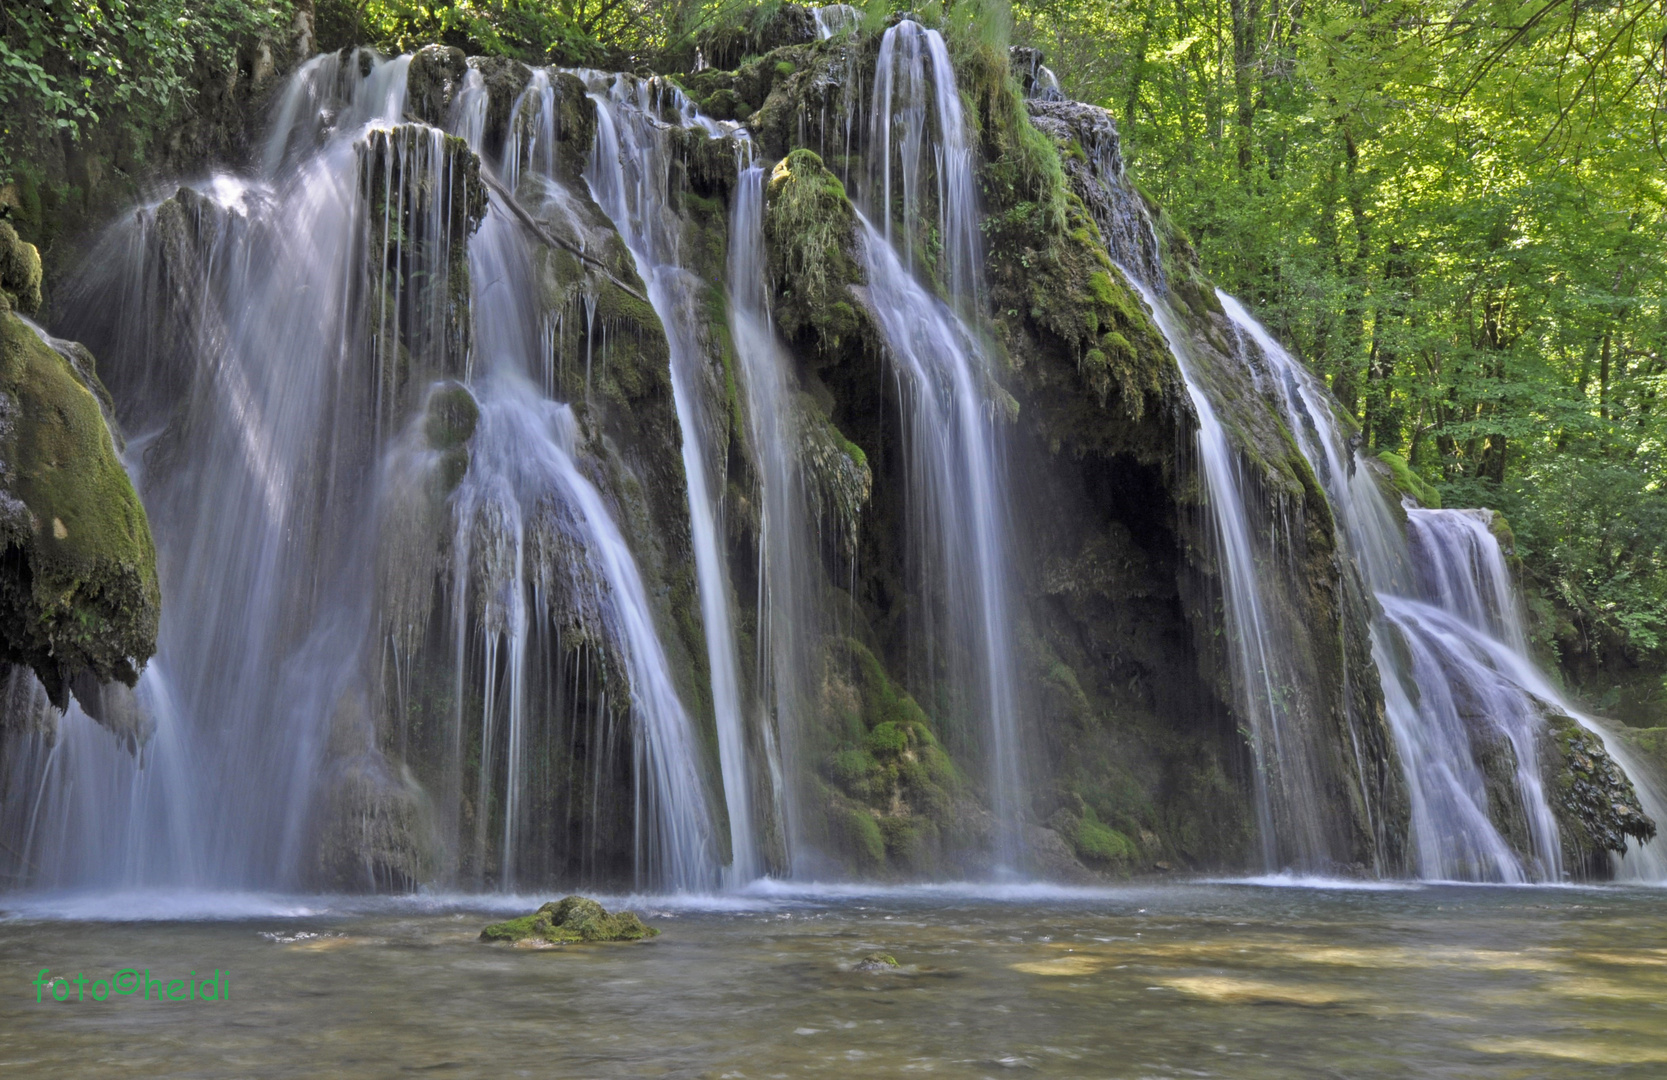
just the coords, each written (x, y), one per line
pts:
(789, 619)
(1253, 532)
(630, 176)
(836, 20)
(958, 508)
(537, 542)
(1450, 649)
(1287, 795)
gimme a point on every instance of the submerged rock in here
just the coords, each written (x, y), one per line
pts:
(568, 921)
(877, 961)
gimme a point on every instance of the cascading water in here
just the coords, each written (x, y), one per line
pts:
(1450, 650)
(629, 174)
(286, 351)
(958, 508)
(1298, 781)
(1289, 807)
(836, 20)
(247, 512)
(788, 617)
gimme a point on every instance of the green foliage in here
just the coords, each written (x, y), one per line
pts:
(68, 64)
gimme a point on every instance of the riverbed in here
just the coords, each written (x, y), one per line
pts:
(1242, 980)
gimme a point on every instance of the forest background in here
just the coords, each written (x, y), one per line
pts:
(1454, 210)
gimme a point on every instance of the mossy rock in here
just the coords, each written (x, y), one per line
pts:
(810, 232)
(449, 425)
(756, 30)
(20, 271)
(1596, 805)
(569, 921)
(78, 589)
(1410, 483)
(431, 81)
(877, 961)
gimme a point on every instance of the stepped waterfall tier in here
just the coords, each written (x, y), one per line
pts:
(822, 463)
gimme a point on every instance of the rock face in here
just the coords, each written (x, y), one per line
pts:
(1597, 808)
(570, 921)
(78, 591)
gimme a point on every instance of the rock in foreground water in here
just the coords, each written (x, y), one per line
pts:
(570, 920)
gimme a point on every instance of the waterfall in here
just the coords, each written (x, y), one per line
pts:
(1290, 811)
(789, 619)
(629, 174)
(836, 20)
(235, 306)
(952, 430)
(1290, 717)
(1450, 649)
(554, 557)
(286, 351)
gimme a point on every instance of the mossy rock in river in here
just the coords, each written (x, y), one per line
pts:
(78, 590)
(568, 921)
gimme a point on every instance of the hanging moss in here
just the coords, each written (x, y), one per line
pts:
(810, 233)
(78, 590)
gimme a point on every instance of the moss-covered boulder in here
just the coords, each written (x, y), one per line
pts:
(810, 233)
(432, 81)
(78, 591)
(20, 272)
(569, 921)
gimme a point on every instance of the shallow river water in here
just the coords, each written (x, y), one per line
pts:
(1233, 980)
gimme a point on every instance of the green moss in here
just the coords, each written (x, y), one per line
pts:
(810, 234)
(863, 837)
(877, 961)
(572, 920)
(1409, 482)
(888, 737)
(1101, 843)
(20, 271)
(78, 587)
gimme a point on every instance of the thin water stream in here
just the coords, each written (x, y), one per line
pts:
(1196, 980)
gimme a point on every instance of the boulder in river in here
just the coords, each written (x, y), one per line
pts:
(570, 920)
